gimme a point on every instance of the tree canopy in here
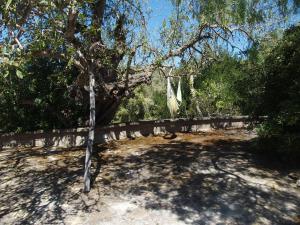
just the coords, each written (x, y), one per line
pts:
(110, 39)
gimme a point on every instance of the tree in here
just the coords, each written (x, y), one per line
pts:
(109, 38)
(36, 97)
(271, 87)
(281, 80)
(106, 41)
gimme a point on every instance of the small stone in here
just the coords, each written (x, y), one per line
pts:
(292, 176)
(298, 183)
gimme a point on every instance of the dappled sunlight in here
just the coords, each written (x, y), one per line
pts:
(204, 181)
(205, 178)
(36, 184)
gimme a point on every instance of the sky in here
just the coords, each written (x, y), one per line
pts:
(162, 9)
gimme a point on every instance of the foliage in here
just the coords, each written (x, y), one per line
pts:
(149, 102)
(102, 38)
(264, 83)
(39, 100)
(42, 42)
(279, 95)
(270, 85)
(214, 88)
(229, 20)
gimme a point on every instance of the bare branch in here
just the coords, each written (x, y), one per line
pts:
(48, 54)
(98, 13)
(19, 44)
(78, 65)
(71, 24)
(198, 37)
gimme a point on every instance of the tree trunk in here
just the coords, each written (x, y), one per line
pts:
(193, 93)
(90, 142)
(105, 114)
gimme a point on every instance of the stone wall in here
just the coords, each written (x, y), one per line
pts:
(77, 137)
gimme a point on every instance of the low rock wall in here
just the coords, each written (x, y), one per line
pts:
(78, 137)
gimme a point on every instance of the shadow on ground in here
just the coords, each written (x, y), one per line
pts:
(43, 186)
(217, 182)
(202, 179)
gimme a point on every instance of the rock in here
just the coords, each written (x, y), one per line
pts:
(170, 136)
(293, 176)
(298, 183)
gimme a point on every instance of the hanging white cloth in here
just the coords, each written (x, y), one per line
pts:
(171, 99)
(179, 95)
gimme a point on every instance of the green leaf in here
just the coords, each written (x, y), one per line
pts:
(19, 74)
(37, 101)
(70, 62)
(44, 2)
(8, 4)
(6, 74)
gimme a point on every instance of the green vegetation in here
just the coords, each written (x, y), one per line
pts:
(280, 99)
(40, 99)
(108, 41)
(264, 83)
(214, 94)
(267, 83)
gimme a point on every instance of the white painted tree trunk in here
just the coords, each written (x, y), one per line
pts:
(89, 149)
(193, 92)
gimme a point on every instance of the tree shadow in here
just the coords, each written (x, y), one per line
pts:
(41, 185)
(221, 182)
(96, 162)
(213, 181)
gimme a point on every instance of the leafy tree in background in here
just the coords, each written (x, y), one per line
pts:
(270, 86)
(215, 86)
(234, 85)
(281, 96)
(38, 100)
(148, 102)
(108, 40)
(250, 86)
(215, 89)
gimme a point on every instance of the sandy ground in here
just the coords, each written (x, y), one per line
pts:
(205, 178)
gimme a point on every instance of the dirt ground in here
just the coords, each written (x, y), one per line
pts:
(204, 178)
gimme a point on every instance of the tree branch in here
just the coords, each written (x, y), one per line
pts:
(198, 37)
(98, 13)
(71, 25)
(48, 54)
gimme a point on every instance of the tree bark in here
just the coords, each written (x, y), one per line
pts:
(90, 142)
(105, 115)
